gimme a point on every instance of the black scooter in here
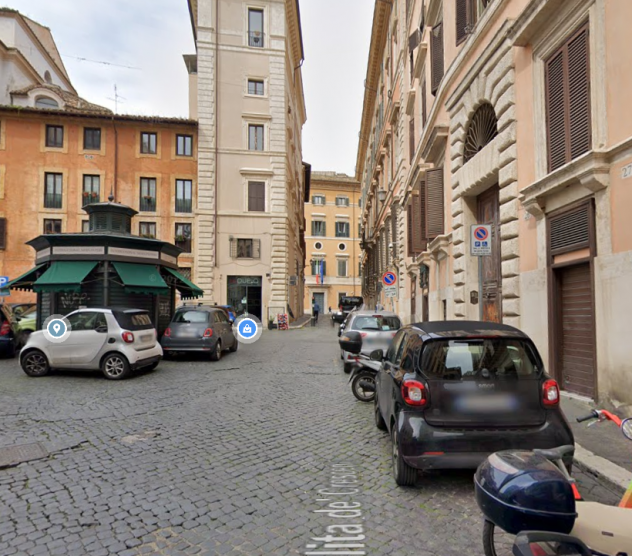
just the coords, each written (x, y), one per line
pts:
(363, 377)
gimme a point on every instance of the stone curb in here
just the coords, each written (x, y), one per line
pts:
(604, 469)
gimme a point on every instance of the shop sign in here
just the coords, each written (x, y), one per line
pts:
(85, 250)
(42, 253)
(138, 253)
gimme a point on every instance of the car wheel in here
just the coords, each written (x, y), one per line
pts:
(404, 474)
(234, 347)
(115, 366)
(34, 363)
(379, 420)
(496, 542)
(348, 367)
(358, 389)
(216, 354)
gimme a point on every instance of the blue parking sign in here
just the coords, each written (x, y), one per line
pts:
(4, 280)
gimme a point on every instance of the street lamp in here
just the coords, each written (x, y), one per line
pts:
(381, 195)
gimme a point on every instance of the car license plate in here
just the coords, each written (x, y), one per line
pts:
(146, 337)
(486, 404)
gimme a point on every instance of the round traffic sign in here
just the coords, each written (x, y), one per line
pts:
(481, 233)
(389, 278)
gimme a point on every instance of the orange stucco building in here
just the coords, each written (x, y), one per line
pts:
(53, 162)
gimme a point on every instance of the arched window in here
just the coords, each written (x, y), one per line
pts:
(47, 77)
(46, 102)
(483, 127)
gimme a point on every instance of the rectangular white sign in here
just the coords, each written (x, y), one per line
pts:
(626, 172)
(138, 253)
(42, 253)
(94, 250)
(481, 240)
(168, 258)
(390, 291)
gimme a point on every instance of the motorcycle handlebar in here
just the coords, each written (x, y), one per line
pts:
(594, 414)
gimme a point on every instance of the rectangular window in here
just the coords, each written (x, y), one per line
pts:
(148, 143)
(342, 201)
(255, 28)
(436, 57)
(147, 229)
(434, 203)
(342, 229)
(91, 189)
(255, 137)
(183, 237)
(92, 138)
(359, 229)
(55, 136)
(184, 145)
(255, 87)
(53, 191)
(85, 226)
(245, 248)
(147, 194)
(318, 228)
(567, 78)
(52, 226)
(318, 199)
(318, 266)
(184, 196)
(256, 196)
(3, 233)
(342, 267)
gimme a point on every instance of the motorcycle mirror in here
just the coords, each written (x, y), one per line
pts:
(376, 355)
(539, 542)
(626, 428)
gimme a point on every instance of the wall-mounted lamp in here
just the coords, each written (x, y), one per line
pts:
(381, 195)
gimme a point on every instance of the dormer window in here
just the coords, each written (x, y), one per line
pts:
(46, 102)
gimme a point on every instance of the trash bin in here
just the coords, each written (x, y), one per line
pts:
(313, 320)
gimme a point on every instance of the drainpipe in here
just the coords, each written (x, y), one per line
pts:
(115, 157)
(215, 262)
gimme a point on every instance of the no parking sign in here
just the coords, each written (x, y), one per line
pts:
(481, 240)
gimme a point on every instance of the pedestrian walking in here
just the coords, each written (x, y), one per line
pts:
(316, 310)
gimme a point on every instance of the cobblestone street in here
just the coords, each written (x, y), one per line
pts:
(214, 458)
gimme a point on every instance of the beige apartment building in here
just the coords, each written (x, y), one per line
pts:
(512, 113)
(246, 92)
(332, 240)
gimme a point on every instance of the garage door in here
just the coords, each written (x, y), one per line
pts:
(577, 330)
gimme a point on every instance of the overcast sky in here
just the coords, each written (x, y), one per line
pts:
(152, 35)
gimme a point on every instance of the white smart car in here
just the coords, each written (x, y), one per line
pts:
(115, 341)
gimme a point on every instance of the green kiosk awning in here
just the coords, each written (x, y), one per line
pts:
(141, 278)
(187, 289)
(24, 282)
(64, 276)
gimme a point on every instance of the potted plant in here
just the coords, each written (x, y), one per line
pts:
(85, 194)
(94, 194)
(147, 197)
(180, 238)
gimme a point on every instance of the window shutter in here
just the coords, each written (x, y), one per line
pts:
(413, 40)
(419, 217)
(411, 138)
(3, 233)
(434, 203)
(256, 248)
(462, 20)
(555, 112)
(579, 93)
(436, 57)
(256, 196)
(423, 104)
(233, 248)
(394, 217)
(409, 229)
(570, 230)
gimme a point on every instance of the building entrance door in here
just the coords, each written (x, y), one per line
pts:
(319, 297)
(488, 213)
(244, 294)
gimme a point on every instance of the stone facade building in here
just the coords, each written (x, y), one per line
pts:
(247, 94)
(514, 114)
(332, 216)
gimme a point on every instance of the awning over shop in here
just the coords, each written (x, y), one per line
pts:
(141, 278)
(64, 276)
(187, 289)
(24, 282)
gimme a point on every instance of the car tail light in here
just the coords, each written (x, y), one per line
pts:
(128, 337)
(5, 328)
(414, 392)
(550, 393)
(208, 333)
(340, 308)
(167, 333)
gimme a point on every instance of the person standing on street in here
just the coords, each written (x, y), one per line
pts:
(316, 310)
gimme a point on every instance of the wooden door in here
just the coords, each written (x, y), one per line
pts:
(576, 330)
(488, 213)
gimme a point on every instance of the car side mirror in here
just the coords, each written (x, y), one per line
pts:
(626, 428)
(351, 341)
(377, 355)
(539, 542)
(101, 329)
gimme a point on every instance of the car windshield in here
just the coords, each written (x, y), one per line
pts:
(191, 316)
(30, 312)
(479, 358)
(376, 322)
(133, 321)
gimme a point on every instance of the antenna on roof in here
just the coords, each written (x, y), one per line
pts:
(116, 99)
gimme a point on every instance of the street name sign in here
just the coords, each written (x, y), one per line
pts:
(481, 240)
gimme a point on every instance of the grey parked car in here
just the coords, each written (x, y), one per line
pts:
(377, 329)
(200, 328)
(116, 341)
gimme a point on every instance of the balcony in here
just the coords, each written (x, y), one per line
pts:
(255, 38)
(147, 203)
(184, 205)
(90, 197)
(52, 200)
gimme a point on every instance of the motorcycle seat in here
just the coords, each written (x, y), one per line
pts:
(605, 529)
(554, 454)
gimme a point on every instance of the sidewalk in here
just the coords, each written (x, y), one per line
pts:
(602, 450)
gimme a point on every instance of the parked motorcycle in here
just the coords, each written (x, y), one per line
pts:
(521, 491)
(363, 377)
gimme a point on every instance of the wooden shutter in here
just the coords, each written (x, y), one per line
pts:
(3, 233)
(567, 91)
(462, 20)
(256, 248)
(256, 196)
(434, 203)
(394, 217)
(423, 104)
(411, 138)
(409, 230)
(419, 242)
(436, 57)
(570, 230)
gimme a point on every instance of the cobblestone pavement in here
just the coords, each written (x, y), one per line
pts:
(214, 458)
